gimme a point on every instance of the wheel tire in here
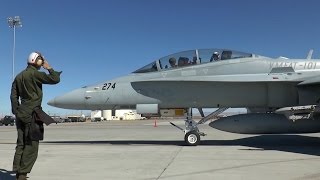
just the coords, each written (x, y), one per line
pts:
(192, 138)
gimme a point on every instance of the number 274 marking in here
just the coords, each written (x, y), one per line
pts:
(107, 86)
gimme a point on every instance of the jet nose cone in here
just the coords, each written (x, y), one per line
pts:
(52, 102)
(71, 100)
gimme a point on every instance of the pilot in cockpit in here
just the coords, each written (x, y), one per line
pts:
(215, 57)
(173, 62)
(194, 60)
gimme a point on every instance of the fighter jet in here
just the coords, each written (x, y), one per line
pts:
(281, 94)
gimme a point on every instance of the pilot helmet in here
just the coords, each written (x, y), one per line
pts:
(33, 57)
(216, 55)
(172, 60)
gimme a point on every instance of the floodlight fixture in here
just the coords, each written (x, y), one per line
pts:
(13, 23)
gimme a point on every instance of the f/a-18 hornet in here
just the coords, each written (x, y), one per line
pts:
(280, 94)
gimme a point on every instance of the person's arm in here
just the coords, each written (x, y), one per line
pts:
(52, 78)
(14, 97)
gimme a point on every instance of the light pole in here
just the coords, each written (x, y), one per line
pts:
(13, 23)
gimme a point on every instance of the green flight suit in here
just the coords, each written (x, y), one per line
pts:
(26, 94)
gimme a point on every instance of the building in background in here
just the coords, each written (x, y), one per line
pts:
(106, 115)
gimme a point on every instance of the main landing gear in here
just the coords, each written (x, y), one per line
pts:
(192, 133)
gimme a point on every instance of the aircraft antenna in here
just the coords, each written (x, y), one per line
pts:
(310, 54)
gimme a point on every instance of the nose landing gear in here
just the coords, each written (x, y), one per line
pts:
(192, 133)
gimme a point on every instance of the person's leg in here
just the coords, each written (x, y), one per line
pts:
(19, 146)
(29, 157)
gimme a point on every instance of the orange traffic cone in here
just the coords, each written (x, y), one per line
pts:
(155, 123)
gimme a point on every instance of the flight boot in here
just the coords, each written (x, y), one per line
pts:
(21, 176)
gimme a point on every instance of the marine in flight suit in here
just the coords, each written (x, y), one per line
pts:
(26, 95)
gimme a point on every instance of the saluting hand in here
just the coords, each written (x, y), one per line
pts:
(46, 65)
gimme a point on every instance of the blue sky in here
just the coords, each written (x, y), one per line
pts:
(92, 41)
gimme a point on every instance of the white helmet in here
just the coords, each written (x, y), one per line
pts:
(32, 57)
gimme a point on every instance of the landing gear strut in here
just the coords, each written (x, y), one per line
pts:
(192, 133)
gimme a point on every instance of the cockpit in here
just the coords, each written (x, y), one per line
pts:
(192, 57)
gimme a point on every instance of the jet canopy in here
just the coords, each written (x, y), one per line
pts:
(192, 57)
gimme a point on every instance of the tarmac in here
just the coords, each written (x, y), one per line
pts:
(137, 150)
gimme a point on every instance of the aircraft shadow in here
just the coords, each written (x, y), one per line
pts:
(286, 143)
(6, 175)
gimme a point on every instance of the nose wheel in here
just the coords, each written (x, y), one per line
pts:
(192, 138)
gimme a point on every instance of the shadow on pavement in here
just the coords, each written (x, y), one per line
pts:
(7, 175)
(287, 143)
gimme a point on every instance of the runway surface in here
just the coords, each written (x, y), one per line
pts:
(137, 150)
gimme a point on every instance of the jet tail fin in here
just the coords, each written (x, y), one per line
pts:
(310, 54)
